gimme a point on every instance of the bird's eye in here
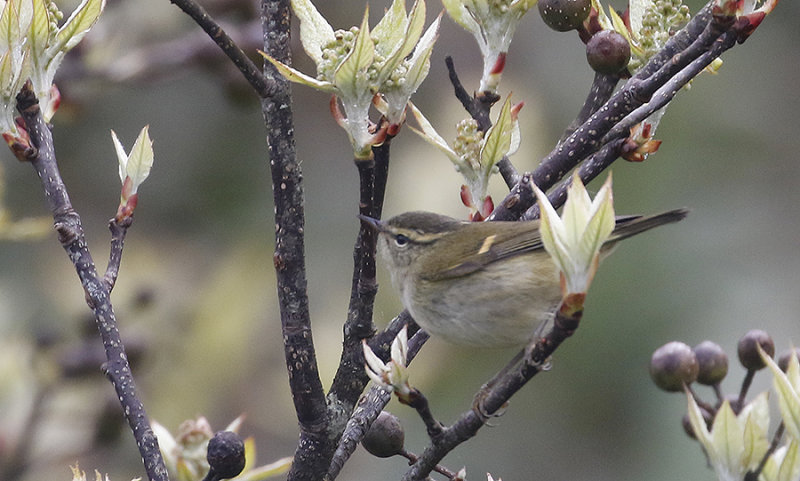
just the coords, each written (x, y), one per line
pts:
(400, 240)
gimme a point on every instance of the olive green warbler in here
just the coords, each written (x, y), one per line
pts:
(483, 284)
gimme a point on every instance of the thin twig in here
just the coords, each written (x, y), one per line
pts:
(118, 232)
(262, 84)
(70, 234)
(412, 458)
(477, 107)
(419, 402)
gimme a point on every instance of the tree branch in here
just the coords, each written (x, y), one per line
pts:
(70, 233)
(350, 379)
(118, 232)
(262, 84)
(601, 90)
(289, 257)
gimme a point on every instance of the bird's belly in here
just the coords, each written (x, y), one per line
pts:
(469, 311)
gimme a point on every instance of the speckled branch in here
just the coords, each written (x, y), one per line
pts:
(118, 232)
(289, 257)
(695, 38)
(667, 92)
(70, 233)
(601, 90)
(691, 46)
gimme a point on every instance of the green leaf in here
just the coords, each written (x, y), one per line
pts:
(636, 10)
(416, 23)
(351, 75)
(9, 26)
(698, 423)
(429, 134)
(788, 393)
(296, 76)
(619, 25)
(755, 431)
(421, 60)
(122, 156)
(39, 32)
(315, 31)
(601, 223)
(727, 440)
(498, 139)
(458, 12)
(6, 72)
(388, 33)
(141, 159)
(78, 24)
(790, 464)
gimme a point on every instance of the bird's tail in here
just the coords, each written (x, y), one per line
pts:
(631, 225)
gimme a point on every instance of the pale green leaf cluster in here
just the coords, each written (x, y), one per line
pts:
(32, 46)
(475, 155)
(735, 444)
(384, 66)
(135, 166)
(492, 23)
(391, 376)
(574, 239)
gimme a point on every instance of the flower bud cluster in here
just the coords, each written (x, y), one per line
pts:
(661, 20)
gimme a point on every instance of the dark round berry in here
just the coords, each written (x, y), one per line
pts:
(385, 437)
(226, 454)
(564, 15)
(673, 365)
(748, 353)
(713, 363)
(608, 52)
(783, 361)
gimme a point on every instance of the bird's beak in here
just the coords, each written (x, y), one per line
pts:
(376, 224)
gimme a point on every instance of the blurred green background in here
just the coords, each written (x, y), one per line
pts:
(195, 293)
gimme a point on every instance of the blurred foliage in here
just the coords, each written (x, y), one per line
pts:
(196, 288)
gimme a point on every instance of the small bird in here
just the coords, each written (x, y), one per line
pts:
(481, 284)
